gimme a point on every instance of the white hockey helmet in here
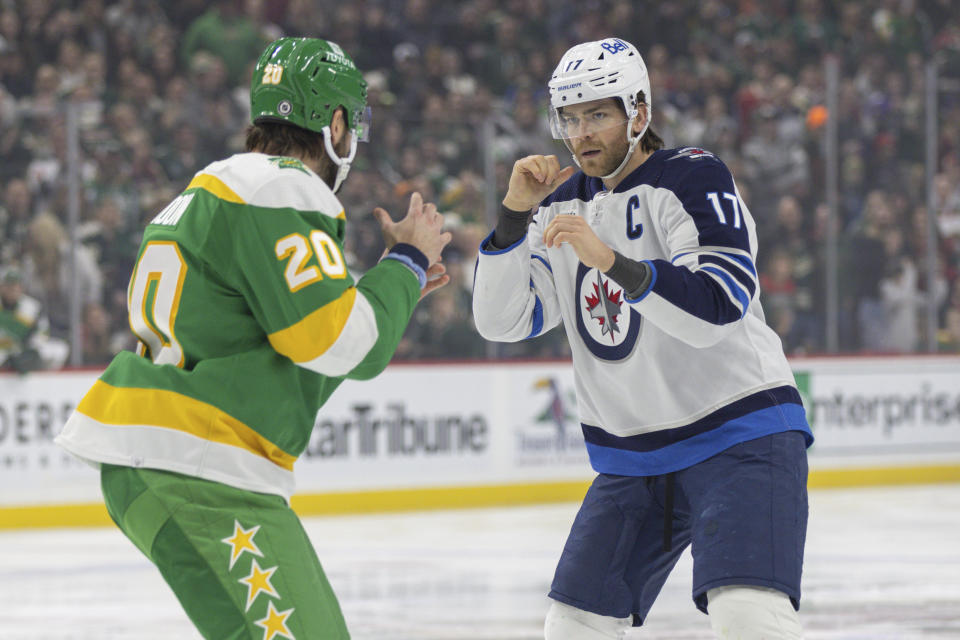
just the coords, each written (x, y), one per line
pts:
(609, 68)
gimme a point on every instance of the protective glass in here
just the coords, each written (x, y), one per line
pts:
(567, 123)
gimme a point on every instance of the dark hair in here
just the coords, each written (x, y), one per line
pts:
(650, 140)
(282, 139)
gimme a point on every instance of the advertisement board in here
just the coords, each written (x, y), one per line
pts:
(423, 427)
(869, 411)
(451, 424)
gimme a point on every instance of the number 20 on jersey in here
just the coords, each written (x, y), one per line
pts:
(297, 251)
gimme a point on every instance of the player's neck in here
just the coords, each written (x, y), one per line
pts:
(638, 157)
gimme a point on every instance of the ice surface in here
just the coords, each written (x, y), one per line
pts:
(881, 563)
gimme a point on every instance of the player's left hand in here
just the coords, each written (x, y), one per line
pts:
(577, 232)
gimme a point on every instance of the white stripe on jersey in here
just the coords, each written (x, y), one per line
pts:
(358, 336)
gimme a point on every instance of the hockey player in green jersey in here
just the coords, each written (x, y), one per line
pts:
(247, 320)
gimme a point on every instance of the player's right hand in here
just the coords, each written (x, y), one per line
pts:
(436, 277)
(532, 180)
(422, 227)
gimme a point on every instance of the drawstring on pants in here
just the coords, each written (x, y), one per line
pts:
(668, 513)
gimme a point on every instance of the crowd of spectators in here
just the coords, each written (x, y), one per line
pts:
(160, 89)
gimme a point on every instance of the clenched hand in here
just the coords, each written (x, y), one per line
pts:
(577, 232)
(533, 179)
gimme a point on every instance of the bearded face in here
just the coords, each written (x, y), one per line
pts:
(596, 134)
(599, 154)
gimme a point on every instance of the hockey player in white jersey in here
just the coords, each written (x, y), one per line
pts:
(688, 406)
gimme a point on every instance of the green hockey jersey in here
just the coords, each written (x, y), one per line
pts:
(247, 320)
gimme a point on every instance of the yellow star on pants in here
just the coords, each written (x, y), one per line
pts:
(275, 623)
(240, 541)
(257, 581)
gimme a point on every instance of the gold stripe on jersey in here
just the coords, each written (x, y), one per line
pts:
(214, 185)
(313, 335)
(256, 179)
(120, 406)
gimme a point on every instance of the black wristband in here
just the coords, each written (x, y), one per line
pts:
(634, 276)
(511, 225)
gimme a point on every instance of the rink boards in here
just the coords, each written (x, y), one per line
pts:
(476, 434)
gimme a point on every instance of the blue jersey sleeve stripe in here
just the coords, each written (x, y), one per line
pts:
(729, 260)
(695, 293)
(487, 250)
(537, 317)
(543, 260)
(743, 278)
(745, 262)
(737, 291)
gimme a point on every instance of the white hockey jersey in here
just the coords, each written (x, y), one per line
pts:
(686, 370)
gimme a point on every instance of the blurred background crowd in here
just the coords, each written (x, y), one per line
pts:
(458, 91)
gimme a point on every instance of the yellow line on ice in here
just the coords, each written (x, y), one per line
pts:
(379, 501)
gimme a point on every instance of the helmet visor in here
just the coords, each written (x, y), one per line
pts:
(362, 127)
(577, 121)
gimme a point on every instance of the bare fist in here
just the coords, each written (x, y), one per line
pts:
(575, 231)
(533, 179)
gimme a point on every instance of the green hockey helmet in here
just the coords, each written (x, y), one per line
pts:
(302, 81)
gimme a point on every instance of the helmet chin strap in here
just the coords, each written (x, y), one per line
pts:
(633, 145)
(343, 164)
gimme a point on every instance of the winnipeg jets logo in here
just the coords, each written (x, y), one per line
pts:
(605, 308)
(692, 152)
(607, 323)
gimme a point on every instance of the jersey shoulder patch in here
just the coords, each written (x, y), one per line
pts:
(694, 153)
(680, 164)
(282, 162)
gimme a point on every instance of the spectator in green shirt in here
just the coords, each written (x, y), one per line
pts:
(227, 33)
